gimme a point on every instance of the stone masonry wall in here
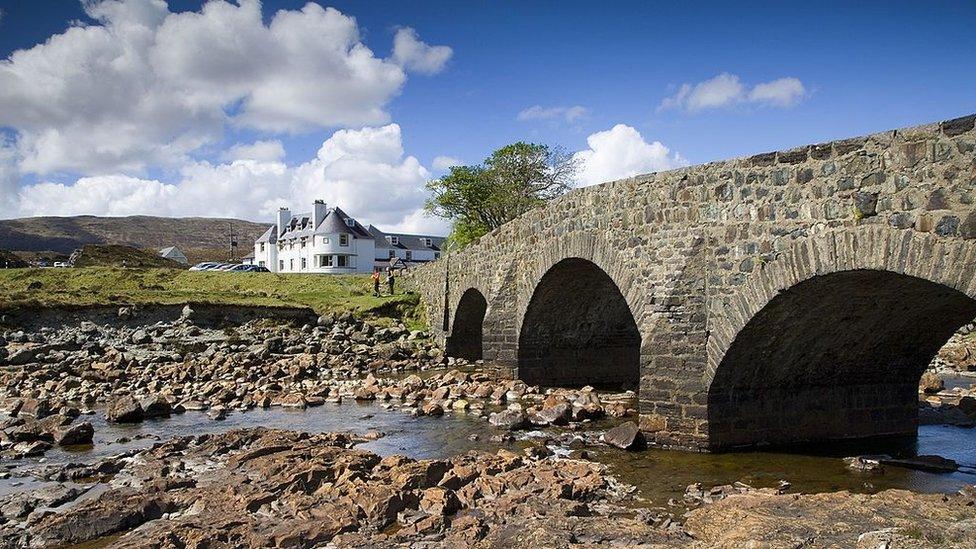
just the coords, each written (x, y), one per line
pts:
(697, 252)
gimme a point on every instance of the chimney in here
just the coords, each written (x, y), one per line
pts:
(284, 217)
(318, 213)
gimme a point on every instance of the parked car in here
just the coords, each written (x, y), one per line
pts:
(60, 264)
(206, 266)
(260, 269)
(240, 268)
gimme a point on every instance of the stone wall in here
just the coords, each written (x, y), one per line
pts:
(697, 253)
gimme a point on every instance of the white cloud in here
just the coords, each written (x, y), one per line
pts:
(538, 112)
(622, 152)
(409, 52)
(267, 151)
(444, 163)
(8, 179)
(784, 92)
(725, 90)
(145, 87)
(363, 171)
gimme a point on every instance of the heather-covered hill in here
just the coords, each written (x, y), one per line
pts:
(66, 234)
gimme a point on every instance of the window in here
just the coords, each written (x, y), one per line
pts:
(393, 240)
(409, 255)
(291, 264)
(437, 255)
(325, 240)
(343, 239)
(303, 263)
(325, 261)
(427, 242)
(303, 242)
(350, 222)
(392, 254)
(342, 260)
(281, 264)
(261, 263)
(262, 246)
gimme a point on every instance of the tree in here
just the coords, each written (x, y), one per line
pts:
(510, 182)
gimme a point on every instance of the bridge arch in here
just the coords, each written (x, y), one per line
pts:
(467, 328)
(829, 340)
(578, 329)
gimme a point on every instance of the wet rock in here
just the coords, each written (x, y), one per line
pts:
(864, 464)
(34, 408)
(217, 413)
(78, 433)
(124, 410)
(510, 419)
(929, 463)
(557, 414)
(931, 383)
(626, 436)
(433, 409)
(156, 406)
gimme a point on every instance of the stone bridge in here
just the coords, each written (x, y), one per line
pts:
(793, 296)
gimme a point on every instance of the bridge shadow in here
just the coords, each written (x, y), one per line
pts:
(578, 330)
(467, 334)
(837, 356)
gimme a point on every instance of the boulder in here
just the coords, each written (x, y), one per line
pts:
(217, 413)
(78, 433)
(124, 410)
(510, 419)
(557, 414)
(34, 407)
(931, 383)
(156, 406)
(432, 409)
(626, 435)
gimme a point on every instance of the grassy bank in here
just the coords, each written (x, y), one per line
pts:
(111, 286)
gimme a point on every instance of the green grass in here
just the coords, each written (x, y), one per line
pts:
(115, 286)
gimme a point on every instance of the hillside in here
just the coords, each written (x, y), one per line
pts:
(197, 236)
(114, 255)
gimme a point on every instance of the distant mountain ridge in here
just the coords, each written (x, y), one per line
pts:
(66, 234)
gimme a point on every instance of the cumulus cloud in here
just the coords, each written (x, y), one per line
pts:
(268, 151)
(622, 152)
(364, 171)
(444, 163)
(726, 90)
(783, 92)
(145, 87)
(538, 112)
(409, 52)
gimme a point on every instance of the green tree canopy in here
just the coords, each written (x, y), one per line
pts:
(510, 182)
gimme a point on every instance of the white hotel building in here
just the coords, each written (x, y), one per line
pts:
(329, 241)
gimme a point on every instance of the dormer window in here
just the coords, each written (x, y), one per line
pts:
(350, 222)
(427, 242)
(392, 239)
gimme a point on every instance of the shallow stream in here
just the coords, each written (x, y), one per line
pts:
(659, 475)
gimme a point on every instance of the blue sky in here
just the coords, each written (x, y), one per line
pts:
(860, 67)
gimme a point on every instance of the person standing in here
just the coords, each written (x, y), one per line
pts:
(376, 283)
(389, 278)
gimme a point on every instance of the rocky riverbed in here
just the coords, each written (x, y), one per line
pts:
(274, 488)
(64, 389)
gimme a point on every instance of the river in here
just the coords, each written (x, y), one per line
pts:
(659, 475)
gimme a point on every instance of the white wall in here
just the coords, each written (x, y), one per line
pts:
(358, 253)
